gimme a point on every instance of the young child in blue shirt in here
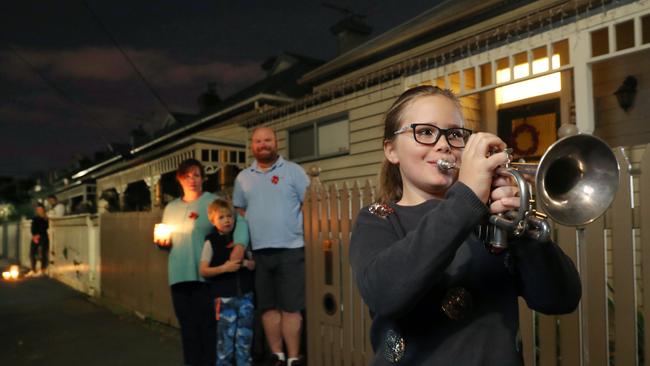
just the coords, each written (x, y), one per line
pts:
(229, 269)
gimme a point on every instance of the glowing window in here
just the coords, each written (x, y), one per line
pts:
(542, 85)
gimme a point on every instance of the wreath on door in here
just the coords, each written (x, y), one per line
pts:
(534, 138)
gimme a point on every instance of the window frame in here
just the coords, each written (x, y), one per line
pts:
(315, 124)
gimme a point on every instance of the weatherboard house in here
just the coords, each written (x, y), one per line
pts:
(529, 71)
(143, 176)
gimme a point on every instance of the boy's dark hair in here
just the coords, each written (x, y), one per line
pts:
(186, 165)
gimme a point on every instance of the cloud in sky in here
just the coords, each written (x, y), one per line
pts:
(179, 46)
(108, 65)
(99, 92)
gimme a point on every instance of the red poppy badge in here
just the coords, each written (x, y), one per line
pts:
(275, 179)
(193, 215)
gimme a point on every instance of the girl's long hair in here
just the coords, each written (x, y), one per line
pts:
(390, 179)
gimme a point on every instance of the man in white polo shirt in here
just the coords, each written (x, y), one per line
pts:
(270, 194)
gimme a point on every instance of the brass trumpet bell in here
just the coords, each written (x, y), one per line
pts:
(576, 180)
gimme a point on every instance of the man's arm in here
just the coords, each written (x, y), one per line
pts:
(239, 197)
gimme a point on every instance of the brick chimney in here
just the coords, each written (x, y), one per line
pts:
(351, 31)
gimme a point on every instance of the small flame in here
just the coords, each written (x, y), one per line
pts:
(14, 271)
(11, 274)
(162, 232)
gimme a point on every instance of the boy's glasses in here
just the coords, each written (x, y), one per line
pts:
(428, 134)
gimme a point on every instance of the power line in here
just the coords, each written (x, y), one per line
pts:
(61, 93)
(58, 90)
(127, 58)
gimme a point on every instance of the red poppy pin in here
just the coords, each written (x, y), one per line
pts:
(275, 179)
(193, 215)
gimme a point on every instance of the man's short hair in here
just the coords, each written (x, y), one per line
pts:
(275, 134)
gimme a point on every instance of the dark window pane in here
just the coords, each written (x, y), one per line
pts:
(486, 74)
(301, 143)
(599, 42)
(625, 35)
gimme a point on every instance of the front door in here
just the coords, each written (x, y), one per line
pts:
(530, 129)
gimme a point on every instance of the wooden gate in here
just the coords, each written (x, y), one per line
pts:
(338, 321)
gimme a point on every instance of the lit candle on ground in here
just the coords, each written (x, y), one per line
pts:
(14, 272)
(11, 274)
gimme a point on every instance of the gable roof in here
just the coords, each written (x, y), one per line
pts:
(446, 17)
(277, 88)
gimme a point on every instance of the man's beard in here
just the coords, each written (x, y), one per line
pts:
(266, 156)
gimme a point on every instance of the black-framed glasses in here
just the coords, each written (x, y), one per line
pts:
(428, 134)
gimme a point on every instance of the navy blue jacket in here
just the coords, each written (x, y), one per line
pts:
(229, 284)
(438, 297)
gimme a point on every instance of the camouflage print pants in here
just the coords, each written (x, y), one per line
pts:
(234, 330)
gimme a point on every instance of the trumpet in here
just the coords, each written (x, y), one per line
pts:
(575, 181)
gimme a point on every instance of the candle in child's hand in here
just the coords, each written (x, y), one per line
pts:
(162, 234)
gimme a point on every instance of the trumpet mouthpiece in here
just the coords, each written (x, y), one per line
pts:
(445, 165)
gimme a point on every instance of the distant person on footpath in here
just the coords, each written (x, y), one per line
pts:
(40, 243)
(57, 209)
(270, 194)
(193, 305)
(230, 272)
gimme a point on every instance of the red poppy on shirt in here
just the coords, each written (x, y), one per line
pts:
(275, 179)
(193, 215)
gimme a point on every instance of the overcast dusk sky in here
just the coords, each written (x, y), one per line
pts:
(66, 89)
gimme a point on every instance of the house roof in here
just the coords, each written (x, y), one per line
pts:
(280, 82)
(446, 17)
(280, 86)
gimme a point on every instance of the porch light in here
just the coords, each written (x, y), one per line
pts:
(626, 93)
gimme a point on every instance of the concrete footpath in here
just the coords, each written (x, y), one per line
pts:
(43, 322)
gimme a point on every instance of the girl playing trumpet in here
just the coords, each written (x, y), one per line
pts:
(436, 294)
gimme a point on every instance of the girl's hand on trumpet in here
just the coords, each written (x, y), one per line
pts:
(504, 196)
(479, 163)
